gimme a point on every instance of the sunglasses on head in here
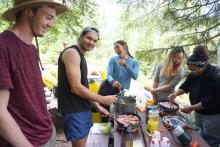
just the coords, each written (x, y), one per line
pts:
(90, 29)
(196, 63)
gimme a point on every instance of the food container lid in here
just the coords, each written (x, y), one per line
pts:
(154, 111)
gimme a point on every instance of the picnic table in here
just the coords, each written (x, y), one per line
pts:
(138, 137)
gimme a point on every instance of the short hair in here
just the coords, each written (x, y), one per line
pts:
(89, 29)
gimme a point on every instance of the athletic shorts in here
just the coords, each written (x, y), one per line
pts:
(77, 125)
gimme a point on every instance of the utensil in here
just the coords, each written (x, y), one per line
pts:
(111, 115)
(144, 137)
(120, 92)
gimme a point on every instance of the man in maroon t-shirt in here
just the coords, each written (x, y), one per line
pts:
(24, 120)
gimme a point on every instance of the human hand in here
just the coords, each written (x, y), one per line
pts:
(117, 85)
(102, 111)
(155, 99)
(187, 109)
(122, 62)
(147, 87)
(153, 91)
(172, 96)
(108, 100)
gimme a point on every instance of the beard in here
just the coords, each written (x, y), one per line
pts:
(85, 48)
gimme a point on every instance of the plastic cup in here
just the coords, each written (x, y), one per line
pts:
(156, 134)
(155, 142)
(165, 142)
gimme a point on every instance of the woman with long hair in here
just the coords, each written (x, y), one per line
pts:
(168, 75)
(121, 69)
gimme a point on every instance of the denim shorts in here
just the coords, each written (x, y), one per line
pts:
(77, 125)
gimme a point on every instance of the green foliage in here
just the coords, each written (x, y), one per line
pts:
(169, 23)
(66, 28)
(4, 4)
(150, 27)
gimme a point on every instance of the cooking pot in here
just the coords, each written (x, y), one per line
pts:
(124, 104)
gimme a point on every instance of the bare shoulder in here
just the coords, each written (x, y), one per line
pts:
(70, 55)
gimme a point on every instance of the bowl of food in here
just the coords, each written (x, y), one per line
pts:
(177, 120)
(168, 106)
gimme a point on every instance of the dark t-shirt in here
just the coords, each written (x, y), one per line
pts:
(204, 89)
(20, 73)
(69, 102)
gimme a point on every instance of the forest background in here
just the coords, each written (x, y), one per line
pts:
(150, 27)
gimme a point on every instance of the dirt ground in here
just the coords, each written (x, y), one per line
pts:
(61, 140)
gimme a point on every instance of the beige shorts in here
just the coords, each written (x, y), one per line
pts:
(52, 141)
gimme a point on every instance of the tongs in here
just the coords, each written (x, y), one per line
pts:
(120, 92)
(111, 115)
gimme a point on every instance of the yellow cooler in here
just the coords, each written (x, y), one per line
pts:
(94, 83)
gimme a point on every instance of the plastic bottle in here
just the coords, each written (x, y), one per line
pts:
(153, 122)
(155, 142)
(149, 106)
(165, 142)
(150, 103)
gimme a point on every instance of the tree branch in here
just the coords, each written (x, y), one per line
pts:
(186, 45)
(157, 8)
(200, 32)
(185, 8)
